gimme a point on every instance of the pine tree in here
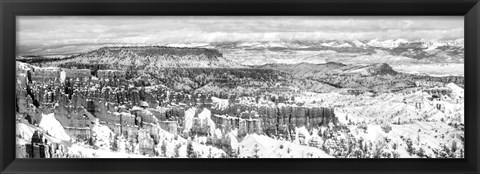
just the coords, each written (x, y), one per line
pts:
(163, 148)
(409, 146)
(114, 146)
(454, 146)
(209, 153)
(255, 151)
(176, 150)
(190, 151)
(421, 152)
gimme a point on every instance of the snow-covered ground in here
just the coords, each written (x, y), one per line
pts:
(262, 146)
(52, 127)
(439, 70)
(393, 118)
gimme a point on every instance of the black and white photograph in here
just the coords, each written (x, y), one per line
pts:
(240, 87)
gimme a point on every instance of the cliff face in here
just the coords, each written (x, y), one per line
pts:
(274, 121)
(145, 51)
(80, 99)
(107, 110)
(46, 150)
(146, 57)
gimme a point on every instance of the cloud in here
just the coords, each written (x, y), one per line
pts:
(57, 31)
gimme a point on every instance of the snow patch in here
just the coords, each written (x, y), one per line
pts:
(53, 127)
(220, 103)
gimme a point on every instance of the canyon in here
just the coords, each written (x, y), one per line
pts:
(158, 101)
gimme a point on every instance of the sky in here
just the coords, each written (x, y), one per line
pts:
(50, 33)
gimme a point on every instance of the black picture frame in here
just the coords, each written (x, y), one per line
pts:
(470, 9)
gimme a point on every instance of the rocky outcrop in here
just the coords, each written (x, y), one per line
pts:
(148, 57)
(77, 73)
(275, 121)
(160, 50)
(169, 126)
(40, 148)
(439, 92)
(382, 69)
(75, 102)
(100, 107)
(111, 74)
(45, 73)
(146, 143)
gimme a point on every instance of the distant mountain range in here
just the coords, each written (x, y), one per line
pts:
(326, 51)
(399, 51)
(341, 44)
(335, 45)
(403, 55)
